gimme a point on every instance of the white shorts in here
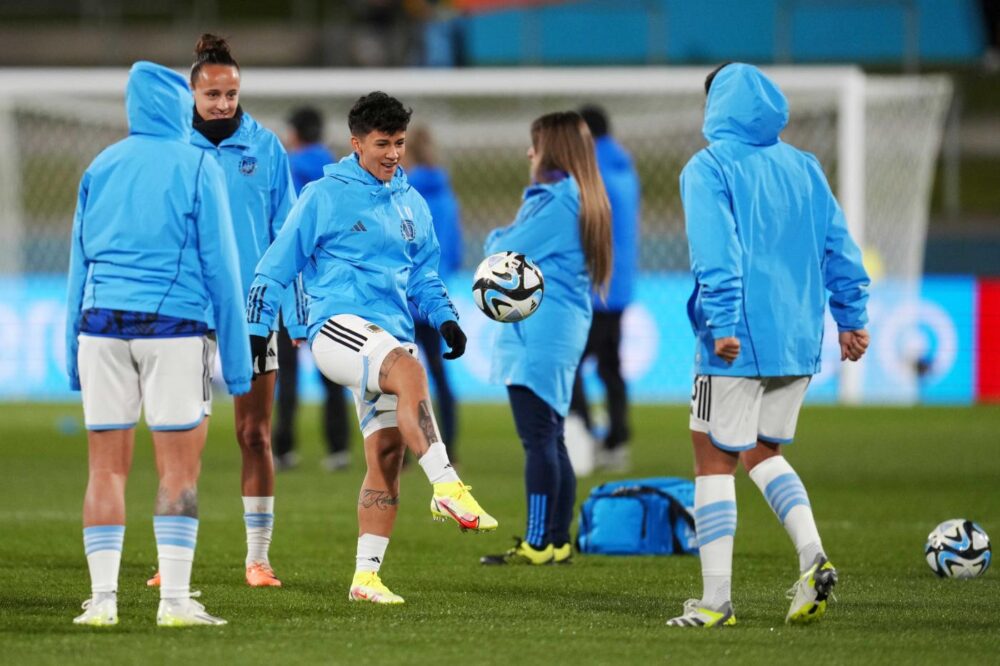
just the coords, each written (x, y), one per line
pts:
(349, 351)
(169, 378)
(737, 411)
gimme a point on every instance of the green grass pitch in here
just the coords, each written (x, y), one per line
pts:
(879, 480)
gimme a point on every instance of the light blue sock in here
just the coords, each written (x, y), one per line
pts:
(176, 537)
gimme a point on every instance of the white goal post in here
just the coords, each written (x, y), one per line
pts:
(877, 137)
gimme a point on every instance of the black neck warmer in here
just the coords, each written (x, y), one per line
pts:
(218, 131)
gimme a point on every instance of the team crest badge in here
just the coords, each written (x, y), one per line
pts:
(408, 230)
(248, 165)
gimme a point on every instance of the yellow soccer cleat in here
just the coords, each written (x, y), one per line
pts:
(99, 612)
(367, 586)
(185, 613)
(699, 615)
(562, 554)
(522, 553)
(260, 574)
(455, 501)
(810, 593)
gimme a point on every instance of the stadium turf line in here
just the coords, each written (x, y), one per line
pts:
(879, 480)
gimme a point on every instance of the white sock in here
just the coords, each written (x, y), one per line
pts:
(436, 465)
(258, 514)
(715, 524)
(784, 492)
(176, 537)
(371, 552)
(103, 546)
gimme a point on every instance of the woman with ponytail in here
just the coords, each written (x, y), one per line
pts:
(259, 184)
(564, 227)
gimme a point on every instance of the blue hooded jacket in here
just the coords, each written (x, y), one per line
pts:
(543, 351)
(307, 164)
(363, 246)
(261, 194)
(153, 232)
(767, 238)
(622, 185)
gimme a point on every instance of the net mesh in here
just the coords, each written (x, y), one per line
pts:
(482, 140)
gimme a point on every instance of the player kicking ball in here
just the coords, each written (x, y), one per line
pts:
(364, 243)
(767, 241)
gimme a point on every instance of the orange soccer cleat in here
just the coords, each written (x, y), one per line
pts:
(260, 574)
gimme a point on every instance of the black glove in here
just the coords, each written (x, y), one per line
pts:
(454, 338)
(258, 354)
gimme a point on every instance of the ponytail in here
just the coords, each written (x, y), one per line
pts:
(211, 50)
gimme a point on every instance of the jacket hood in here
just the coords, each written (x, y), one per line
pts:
(611, 155)
(350, 168)
(428, 179)
(744, 105)
(158, 102)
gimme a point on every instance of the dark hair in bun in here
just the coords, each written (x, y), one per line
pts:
(211, 50)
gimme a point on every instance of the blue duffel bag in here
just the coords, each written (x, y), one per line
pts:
(639, 517)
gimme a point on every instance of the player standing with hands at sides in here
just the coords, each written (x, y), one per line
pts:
(767, 241)
(564, 227)
(364, 242)
(260, 190)
(142, 279)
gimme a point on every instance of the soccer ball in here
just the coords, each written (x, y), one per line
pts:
(958, 549)
(507, 287)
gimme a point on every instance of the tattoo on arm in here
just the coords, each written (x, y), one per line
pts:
(389, 362)
(380, 499)
(425, 417)
(186, 504)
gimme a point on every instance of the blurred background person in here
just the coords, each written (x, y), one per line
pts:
(307, 155)
(604, 342)
(431, 180)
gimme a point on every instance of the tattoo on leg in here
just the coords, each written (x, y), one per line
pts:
(426, 419)
(380, 499)
(390, 360)
(186, 503)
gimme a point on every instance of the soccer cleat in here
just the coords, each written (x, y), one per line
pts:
(154, 581)
(367, 586)
(562, 554)
(810, 592)
(185, 613)
(260, 574)
(698, 615)
(455, 501)
(99, 613)
(522, 553)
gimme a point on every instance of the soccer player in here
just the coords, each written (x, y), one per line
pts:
(142, 278)
(767, 241)
(622, 183)
(307, 155)
(564, 226)
(431, 180)
(261, 193)
(364, 242)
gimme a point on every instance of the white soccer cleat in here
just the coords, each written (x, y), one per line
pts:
(697, 614)
(184, 613)
(99, 613)
(809, 594)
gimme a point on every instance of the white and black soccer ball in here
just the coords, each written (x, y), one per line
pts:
(507, 287)
(958, 548)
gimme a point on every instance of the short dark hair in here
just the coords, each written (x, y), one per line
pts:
(307, 123)
(711, 75)
(596, 119)
(378, 111)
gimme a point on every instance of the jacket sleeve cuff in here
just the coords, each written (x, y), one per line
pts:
(298, 332)
(441, 316)
(263, 330)
(724, 332)
(238, 388)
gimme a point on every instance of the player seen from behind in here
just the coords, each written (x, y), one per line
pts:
(364, 242)
(259, 185)
(767, 241)
(564, 227)
(152, 254)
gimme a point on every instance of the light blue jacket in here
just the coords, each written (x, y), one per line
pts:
(153, 231)
(261, 194)
(364, 247)
(767, 238)
(543, 351)
(622, 185)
